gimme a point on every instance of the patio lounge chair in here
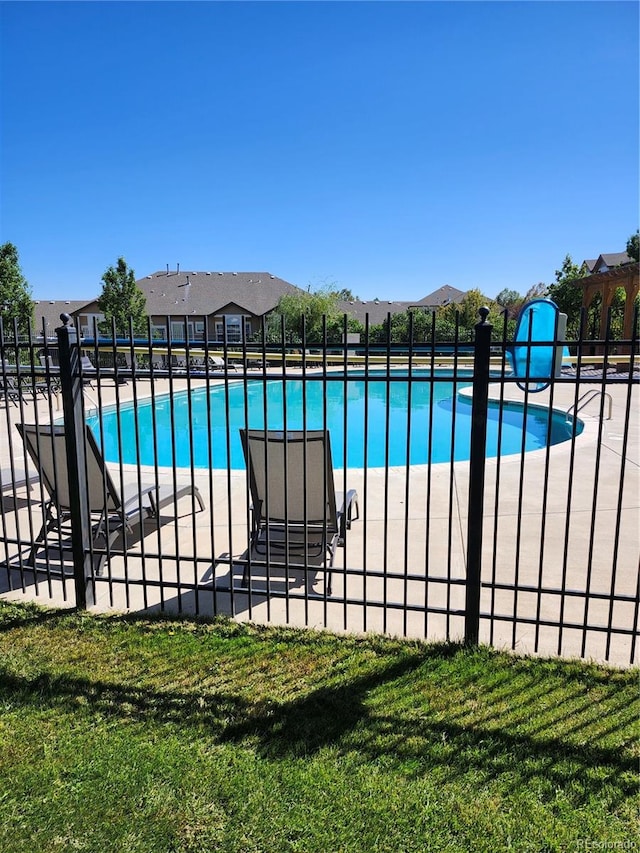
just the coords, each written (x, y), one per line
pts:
(15, 385)
(216, 362)
(297, 518)
(46, 361)
(111, 512)
(88, 371)
(9, 392)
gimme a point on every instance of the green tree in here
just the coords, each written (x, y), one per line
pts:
(633, 246)
(536, 291)
(121, 300)
(508, 297)
(345, 294)
(466, 313)
(414, 324)
(567, 294)
(510, 300)
(617, 313)
(449, 321)
(306, 309)
(15, 293)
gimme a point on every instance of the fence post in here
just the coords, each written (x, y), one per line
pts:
(72, 402)
(480, 404)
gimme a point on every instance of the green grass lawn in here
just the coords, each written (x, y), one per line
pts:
(145, 734)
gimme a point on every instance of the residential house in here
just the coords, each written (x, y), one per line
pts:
(604, 263)
(379, 309)
(47, 315)
(183, 304)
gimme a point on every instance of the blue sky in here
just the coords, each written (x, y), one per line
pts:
(389, 148)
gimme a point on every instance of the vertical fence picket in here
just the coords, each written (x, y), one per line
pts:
(481, 362)
(73, 407)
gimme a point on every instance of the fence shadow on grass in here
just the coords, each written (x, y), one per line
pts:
(13, 617)
(352, 717)
(112, 699)
(386, 714)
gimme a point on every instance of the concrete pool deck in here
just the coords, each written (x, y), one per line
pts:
(396, 541)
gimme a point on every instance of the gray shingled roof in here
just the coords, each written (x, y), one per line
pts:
(50, 311)
(254, 293)
(378, 309)
(620, 272)
(611, 259)
(616, 259)
(442, 296)
(206, 293)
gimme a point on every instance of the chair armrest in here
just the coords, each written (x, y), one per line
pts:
(346, 513)
(133, 500)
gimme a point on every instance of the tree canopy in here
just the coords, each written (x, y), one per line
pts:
(122, 300)
(536, 291)
(510, 299)
(304, 311)
(448, 323)
(346, 294)
(467, 312)
(633, 246)
(15, 293)
(567, 294)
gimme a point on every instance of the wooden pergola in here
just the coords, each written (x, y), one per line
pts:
(606, 283)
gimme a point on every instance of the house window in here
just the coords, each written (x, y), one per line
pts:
(177, 330)
(196, 330)
(234, 329)
(234, 335)
(87, 324)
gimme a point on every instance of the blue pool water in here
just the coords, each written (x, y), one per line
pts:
(217, 413)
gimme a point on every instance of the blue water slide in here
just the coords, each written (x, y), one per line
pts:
(537, 352)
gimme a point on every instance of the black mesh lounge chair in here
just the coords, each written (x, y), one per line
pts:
(111, 512)
(216, 362)
(297, 518)
(9, 392)
(15, 385)
(88, 371)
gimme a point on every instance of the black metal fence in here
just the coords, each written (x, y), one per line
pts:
(482, 510)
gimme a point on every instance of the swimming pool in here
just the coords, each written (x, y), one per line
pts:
(376, 417)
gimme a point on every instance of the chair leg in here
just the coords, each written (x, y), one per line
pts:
(329, 567)
(40, 539)
(352, 501)
(101, 533)
(50, 523)
(253, 543)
